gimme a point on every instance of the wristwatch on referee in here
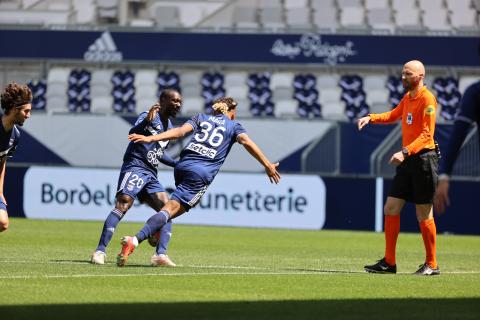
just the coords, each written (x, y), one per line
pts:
(405, 151)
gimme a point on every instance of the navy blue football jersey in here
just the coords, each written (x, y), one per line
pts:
(212, 139)
(8, 141)
(146, 155)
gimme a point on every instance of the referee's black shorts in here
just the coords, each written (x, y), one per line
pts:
(416, 178)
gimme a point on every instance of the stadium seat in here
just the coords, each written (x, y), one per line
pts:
(282, 93)
(39, 90)
(190, 91)
(107, 9)
(380, 19)
(464, 19)
(166, 16)
(54, 5)
(235, 79)
(374, 82)
(272, 18)
(428, 5)
(376, 4)
(349, 3)
(101, 105)
(327, 81)
(321, 4)
(378, 96)
(145, 77)
(57, 104)
(144, 104)
(330, 96)
(245, 17)
(285, 108)
(192, 106)
(408, 18)
(436, 19)
(290, 4)
(147, 91)
(84, 11)
(269, 3)
(352, 17)
(10, 4)
(281, 79)
(58, 75)
(401, 5)
(190, 78)
(237, 92)
(298, 18)
(325, 18)
(243, 108)
(452, 5)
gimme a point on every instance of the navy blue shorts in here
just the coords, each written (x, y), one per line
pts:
(3, 206)
(190, 188)
(138, 182)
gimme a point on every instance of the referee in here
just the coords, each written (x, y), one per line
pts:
(417, 168)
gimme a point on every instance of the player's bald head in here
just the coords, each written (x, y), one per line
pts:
(416, 67)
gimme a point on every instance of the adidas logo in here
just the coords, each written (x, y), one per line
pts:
(103, 49)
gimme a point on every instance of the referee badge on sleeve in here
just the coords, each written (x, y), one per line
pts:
(429, 110)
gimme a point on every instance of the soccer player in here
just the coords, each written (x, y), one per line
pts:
(200, 161)
(16, 104)
(469, 114)
(417, 168)
(138, 176)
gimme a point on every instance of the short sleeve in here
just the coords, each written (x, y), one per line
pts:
(194, 121)
(238, 129)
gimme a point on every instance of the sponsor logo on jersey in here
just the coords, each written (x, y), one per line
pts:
(204, 151)
(103, 49)
(154, 156)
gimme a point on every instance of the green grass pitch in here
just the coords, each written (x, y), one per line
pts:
(231, 273)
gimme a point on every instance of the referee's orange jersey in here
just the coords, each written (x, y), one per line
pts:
(418, 120)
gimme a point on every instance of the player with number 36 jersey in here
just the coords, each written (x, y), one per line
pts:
(200, 160)
(214, 136)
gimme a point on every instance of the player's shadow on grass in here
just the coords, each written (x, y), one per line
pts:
(457, 308)
(73, 261)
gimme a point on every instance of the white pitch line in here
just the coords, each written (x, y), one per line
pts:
(179, 274)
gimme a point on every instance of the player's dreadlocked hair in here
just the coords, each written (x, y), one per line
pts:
(15, 95)
(223, 105)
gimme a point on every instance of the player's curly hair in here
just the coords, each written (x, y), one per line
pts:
(224, 105)
(15, 95)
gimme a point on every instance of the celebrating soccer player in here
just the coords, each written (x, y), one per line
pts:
(138, 177)
(200, 161)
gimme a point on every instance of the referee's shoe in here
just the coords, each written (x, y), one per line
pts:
(381, 267)
(427, 270)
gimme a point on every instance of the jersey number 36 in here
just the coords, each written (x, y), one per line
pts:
(214, 137)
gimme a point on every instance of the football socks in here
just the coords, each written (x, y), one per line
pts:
(109, 226)
(153, 224)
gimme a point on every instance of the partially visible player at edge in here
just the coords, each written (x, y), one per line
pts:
(200, 161)
(417, 168)
(138, 177)
(16, 104)
(469, 114)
